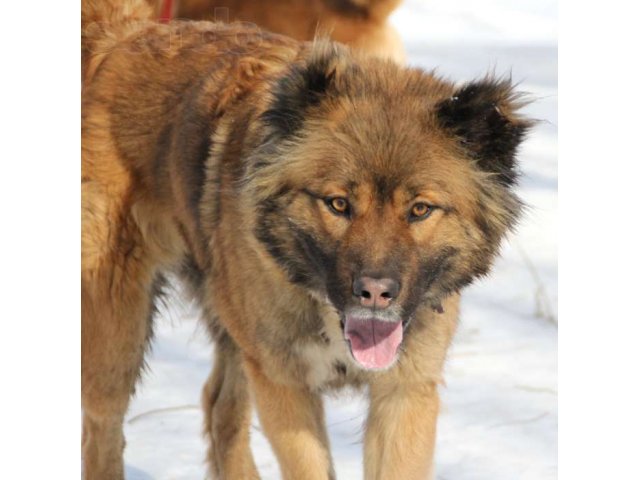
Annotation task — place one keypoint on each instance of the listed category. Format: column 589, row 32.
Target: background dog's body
column 208, row 156
column 362, row 24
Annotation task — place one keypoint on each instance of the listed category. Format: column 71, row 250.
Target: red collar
column 167, row 11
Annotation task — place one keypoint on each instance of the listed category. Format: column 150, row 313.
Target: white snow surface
column 499, row 415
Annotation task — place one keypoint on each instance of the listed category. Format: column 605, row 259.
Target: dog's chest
column 326, row 363
column 325, row 359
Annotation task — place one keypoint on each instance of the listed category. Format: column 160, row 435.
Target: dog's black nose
column 376, row 292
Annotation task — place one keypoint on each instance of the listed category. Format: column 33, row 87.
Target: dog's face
column 384, row 191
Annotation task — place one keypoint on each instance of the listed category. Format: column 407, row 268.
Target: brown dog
column 324, row 209
column 362, row 24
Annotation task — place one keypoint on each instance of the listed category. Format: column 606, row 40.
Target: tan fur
column 227, row 408
column 188, row 166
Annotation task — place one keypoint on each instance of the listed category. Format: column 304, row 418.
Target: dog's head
column 384, row 189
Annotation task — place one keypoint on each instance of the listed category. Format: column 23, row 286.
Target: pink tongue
column 373, row 342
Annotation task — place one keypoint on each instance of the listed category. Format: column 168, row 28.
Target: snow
column 499, row 415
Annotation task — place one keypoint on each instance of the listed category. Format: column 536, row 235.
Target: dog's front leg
column 292, row 418
column 400, row 435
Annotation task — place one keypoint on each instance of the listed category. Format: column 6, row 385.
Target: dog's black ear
column 483, row 116
column 302, row 87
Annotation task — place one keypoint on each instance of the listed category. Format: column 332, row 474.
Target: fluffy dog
column 325, row 210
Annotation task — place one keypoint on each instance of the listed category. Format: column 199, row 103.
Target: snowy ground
column 499, row 419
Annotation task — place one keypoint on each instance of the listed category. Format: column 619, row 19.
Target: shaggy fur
column 216, row 158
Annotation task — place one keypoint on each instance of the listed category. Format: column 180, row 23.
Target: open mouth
column 374, row 342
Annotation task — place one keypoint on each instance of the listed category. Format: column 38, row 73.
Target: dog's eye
column 338, row 205
column 420, row 211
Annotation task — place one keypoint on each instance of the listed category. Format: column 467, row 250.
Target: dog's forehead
column 387, row 159
column 426, row 172
column 377, row 132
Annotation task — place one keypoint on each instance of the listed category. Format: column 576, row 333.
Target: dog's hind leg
column 227, row 409
column 117, row 290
